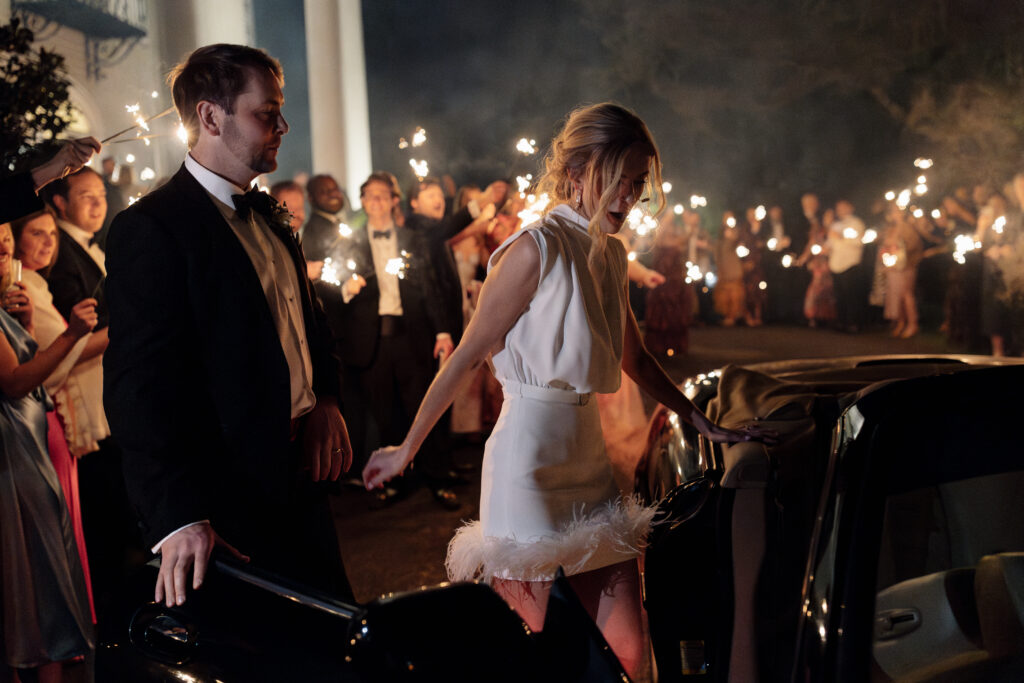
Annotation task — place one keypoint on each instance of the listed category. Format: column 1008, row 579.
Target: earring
column 579, row 199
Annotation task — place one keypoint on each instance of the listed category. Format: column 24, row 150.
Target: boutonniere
column 280, row 218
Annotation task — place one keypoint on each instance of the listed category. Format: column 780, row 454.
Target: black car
column 881, row 539
column 252, row 626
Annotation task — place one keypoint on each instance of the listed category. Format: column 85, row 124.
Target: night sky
column 480, row 76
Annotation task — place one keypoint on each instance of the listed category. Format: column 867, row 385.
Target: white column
column 338, row 107
column 223, row 21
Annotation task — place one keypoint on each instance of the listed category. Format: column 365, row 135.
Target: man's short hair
column 379, row 177
column 61, row 186
column 215, row 73
column 316, row 180
column 284, row 186
column 419, row 185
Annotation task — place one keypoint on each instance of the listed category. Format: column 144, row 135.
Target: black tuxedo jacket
column 75, row 276
column 196, row 383
column 436, row 233
column 318, row 236
column 357, row 323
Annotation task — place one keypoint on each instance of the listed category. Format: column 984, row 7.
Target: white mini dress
column 548, row 496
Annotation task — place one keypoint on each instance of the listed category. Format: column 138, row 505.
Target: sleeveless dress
column 44, row 605
column 548, row 497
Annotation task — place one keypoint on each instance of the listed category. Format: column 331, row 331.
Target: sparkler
column 921, row 179
column 420, row 168
column 920, row 189
column 534, row 208
column 762, row 285
column 329, row 273
column 631, row 256
column 903, row 200
column 890, row 195
column 918, row 213
column 889, row 260
column 640, row 221
column 523, row 183
column 850, row 233
column 398, row 265
column 666, row 187
column 139, row 121
column 419, row 137
column 697, row 200
column 998, row 225
column 147, row 174
column 731, row 222
column 772, row 244
column 936, row 213
column 964, row 244
column 870, row 235
column 760, row 213
column 526, row 147
column 678, row 209
column 742, row 251
column 345, row 232
column 787, row 260
column 815, row 249
column 923, row 164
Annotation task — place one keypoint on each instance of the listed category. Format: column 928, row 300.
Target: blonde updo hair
column 592, row 148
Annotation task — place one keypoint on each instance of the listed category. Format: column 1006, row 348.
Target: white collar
column 221, row 188
column 572, row 217
column 83, row 237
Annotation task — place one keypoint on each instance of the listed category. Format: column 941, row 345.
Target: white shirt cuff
column 156, row 549
column 443, row 335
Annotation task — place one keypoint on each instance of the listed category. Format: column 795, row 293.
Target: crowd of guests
column 951, row 267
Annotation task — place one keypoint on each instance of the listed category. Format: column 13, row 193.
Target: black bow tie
column 381, row 234
column 254, row 201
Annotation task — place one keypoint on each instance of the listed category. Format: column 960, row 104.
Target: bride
column 554, row 318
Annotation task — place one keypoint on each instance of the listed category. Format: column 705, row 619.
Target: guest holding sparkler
column 729, row 292
column 321, row 230
column 393, row 324
column 19, row 193
column 553, row 313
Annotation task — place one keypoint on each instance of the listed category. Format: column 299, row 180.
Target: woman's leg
column 611, row 596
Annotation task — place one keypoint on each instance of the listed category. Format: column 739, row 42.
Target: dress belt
column 549, row 394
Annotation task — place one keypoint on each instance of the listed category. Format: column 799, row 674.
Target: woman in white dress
column 554, row 318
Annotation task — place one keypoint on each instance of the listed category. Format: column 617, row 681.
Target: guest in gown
column 729, row 293
column 670, row 306
column 46, row 618
column 754, row 295
column 554, row 319
column 35, row 243
column 820, row 299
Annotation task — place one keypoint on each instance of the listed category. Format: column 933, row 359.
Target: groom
column 220, row 383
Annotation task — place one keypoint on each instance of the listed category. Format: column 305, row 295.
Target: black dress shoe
column 446, row 498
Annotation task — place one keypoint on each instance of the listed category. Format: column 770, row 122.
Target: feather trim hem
column 613, row 533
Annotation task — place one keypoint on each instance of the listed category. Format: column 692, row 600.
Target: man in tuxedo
column 390, row 325
column 321, row 230
column 221, row 386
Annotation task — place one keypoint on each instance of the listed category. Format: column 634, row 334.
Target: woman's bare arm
column 509, row 288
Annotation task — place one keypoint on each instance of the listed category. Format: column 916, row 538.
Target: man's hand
column 71, row 157
column 443, row 348
column 187, row 548
column 325, row 441
column 353, row 285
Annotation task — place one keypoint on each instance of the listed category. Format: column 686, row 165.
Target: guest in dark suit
column 321, row 230
column 221, row 387
column 427, row 201
column 392, row 327
column 19, row 192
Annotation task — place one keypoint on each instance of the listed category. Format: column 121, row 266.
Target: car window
column 950, row 579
